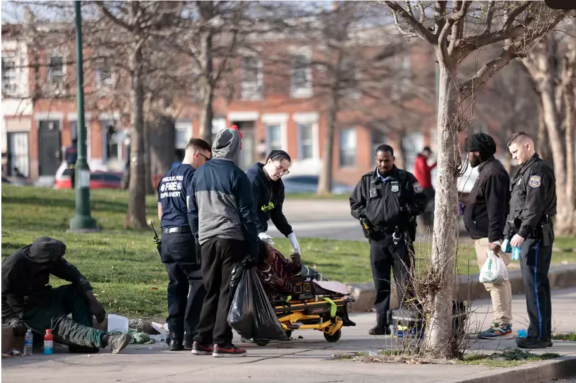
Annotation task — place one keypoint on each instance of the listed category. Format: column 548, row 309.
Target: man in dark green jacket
column 29, row 302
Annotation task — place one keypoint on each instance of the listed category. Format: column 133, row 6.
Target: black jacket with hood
column 26, row 273
column 268, row 200
column 487, row 204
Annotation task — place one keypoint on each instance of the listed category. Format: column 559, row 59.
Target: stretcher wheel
column 333, row 338
column 261, row 342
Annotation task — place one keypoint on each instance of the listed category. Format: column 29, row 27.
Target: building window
column 378, row 138
column 347, row 147
column 412, row 145
column 73, row 130
column 274, row 137
column 104, row 77
column 9, row 82
column 402, row 82
column 183, row 134
column 301, row 78
column 56, row 70
column 306, row 139
column 251, row 78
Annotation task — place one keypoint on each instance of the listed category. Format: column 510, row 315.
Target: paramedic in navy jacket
column 185, row 289
column 268, row 193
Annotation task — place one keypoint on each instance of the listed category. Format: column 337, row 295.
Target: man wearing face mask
column 529, row 226
column 386, row 202
column 485, row 218
column 268, row 192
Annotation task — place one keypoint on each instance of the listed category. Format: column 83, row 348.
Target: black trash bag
column 237, row 273
column 251, row 314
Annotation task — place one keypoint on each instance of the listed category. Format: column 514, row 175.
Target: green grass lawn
column 124, row 266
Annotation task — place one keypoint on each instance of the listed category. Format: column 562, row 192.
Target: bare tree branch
column 489, row 17
column 418, row 28
column 439, row 17
column 512, row 16
column 113, row 18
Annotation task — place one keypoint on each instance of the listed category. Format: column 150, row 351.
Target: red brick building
column 281, row 111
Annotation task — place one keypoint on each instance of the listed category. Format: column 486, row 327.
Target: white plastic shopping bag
column 494, row 270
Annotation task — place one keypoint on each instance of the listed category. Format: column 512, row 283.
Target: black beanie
column 482, row 143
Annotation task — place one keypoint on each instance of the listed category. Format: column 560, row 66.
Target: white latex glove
column 266, row 238
column 294, row 243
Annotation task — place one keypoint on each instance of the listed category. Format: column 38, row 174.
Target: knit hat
column 482, row 143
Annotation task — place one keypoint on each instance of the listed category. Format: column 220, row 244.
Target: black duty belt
column 179, row 229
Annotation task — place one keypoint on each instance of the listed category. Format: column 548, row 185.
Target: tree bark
column 136, row 217
column 327, row 171
column 568, row 95
column 563, row 222
column 207, row 88
column 440, row 294
column 147, row 160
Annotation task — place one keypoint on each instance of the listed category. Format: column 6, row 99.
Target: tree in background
column 455, row 31
column 552, row 65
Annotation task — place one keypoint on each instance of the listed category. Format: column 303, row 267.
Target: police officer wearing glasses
column 386, row 202
column 268, row 192
column 529, row 226
column 185, row 290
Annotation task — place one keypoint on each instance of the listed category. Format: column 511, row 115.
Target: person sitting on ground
column 275, row 271
column 29, row 302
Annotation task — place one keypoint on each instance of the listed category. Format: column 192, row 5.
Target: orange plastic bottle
column 48, row 343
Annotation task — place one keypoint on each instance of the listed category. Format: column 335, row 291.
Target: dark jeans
column 535, row 263
column 53, row 315
column 219, row 256
column 384, row 256
column 186, row 291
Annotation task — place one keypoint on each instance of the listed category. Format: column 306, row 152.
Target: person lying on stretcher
column 275, row 271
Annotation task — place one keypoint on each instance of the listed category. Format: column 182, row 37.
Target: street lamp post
column 82, row 220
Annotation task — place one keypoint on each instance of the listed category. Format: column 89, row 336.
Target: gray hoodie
column 227, row 145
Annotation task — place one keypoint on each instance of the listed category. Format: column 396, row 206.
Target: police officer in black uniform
column 386, row 202
column 529, row 226
column 185, row 290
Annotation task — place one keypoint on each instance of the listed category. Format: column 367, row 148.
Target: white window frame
column 306, row 90
column 12, row 86
column 50, row 73
column 251, row 90
column 309, row 118
column 374, row 145
column 108, row 83
column 300, row 126
column 182, row 126
column 277, row 119
column 354, row 149
column 412, row 144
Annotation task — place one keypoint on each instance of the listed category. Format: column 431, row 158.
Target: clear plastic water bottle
column 28, row 342
column 515, row 253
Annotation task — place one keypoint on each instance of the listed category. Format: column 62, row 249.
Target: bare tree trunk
column 563, row 222
column 147, row 160
column 440, row 294
column 207, row 88
column 136, row 217
column 568, row 91
column 327, row 171
column 543, row 146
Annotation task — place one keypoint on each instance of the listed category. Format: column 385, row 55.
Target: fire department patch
column 535, row 181
column 417, row 187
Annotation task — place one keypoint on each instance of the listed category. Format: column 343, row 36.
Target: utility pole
column 82, row 221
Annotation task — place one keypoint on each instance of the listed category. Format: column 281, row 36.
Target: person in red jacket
column 423, row 173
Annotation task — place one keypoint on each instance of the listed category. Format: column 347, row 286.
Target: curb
column 468, row 287
column 562, row 367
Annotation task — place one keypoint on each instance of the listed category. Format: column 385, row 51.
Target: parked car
column 98, row 179
column 309, row 184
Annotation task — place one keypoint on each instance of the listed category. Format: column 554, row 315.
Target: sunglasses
column 206, row 158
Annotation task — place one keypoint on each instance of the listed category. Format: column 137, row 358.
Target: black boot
column 379, row 331
column 532, row 343
column 176, row 344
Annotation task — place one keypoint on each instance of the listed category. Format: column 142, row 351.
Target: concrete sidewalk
column 309, row 359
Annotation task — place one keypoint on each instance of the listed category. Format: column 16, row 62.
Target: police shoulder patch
column 535, row 181
column 417, row 187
